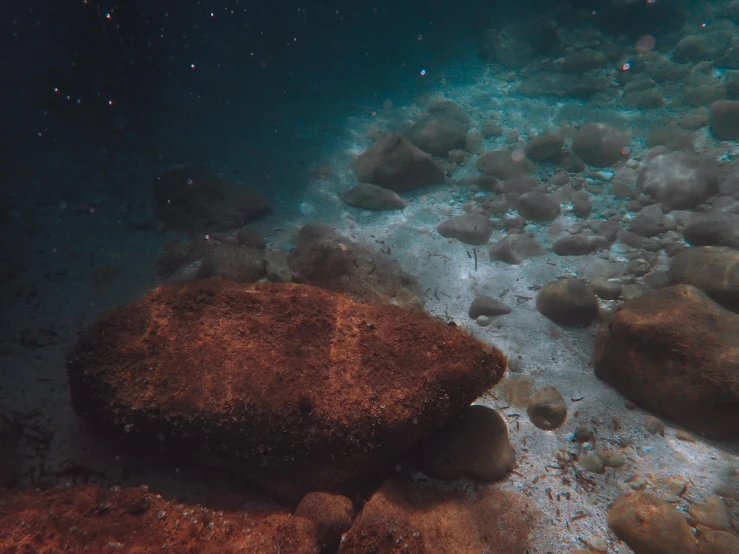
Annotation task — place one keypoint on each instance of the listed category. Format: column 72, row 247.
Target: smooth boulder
column 568, row 302
column 193, row 199
column 712, row 269
column 650, row 525
column 474, row 445
column 471, row 228
column 675, row 352
column 680, row 181
column 396, row 164
column 367, row 196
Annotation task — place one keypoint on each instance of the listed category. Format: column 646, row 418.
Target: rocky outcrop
column 298, row 388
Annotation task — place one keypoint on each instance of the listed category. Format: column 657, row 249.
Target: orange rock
column 650, row 525
column 332, row 514
column 299, row 388
column 422, row 518
column 88, row 518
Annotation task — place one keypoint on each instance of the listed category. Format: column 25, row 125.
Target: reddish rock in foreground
column 299, row 388
column 406, row 517
column 87, row 518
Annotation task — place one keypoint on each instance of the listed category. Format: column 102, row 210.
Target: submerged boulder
column 295, row 387
column 442, row 129
column 396, row 164
column 193, row 199
column 600, row 145
column 471, row 228
column 325, row 258
column 674, row 352
column 680, row 181
column 367, row 196
column 91, row 518
column 712, row 269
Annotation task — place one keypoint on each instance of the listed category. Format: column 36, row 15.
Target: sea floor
column 75, row 243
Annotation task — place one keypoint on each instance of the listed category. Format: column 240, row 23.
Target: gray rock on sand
column 442, row 129
column 367, row 196
column 680, row 181
column 394, row 163
column 537, row 206
column 471, row 228
column 487, row 306
column 599, row 145
column 674, row 352
column 712, row 269
column 515, row 249
column 544, row 147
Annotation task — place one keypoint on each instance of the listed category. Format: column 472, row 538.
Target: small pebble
column 655, row 425
column 593, row 463
column 683, row 435
column 638, row 483
column 483, row 321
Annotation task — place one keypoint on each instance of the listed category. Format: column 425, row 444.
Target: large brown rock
column 193, row 199
column 298, row 388
column 88, row 518
column 675, row 352
column 650, row 525
column 394, row 163
column 406, row 517
column 713, row 269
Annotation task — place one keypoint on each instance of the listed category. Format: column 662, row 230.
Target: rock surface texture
column 298, row 388
column 88, row 518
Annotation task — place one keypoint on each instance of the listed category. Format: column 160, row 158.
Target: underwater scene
column 369, row 278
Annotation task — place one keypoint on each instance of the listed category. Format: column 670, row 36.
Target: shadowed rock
column 443, row 129
column 568, row 302
column 367, row 196
column 471, row 228
column 674, row 352
column 473, row 445
column 325, row 258
column 394, row 163
column 297, row 388
column 193, row 199
column 680, row 181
